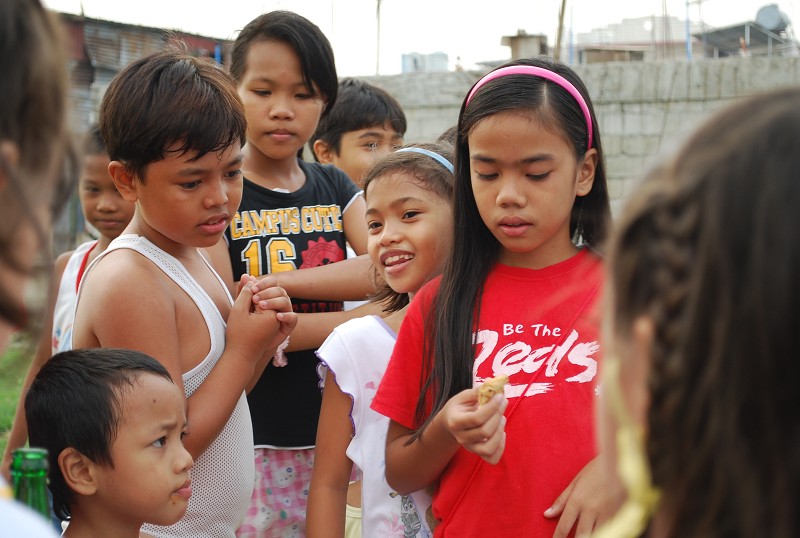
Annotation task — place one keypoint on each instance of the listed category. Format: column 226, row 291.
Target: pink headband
column 542, row 73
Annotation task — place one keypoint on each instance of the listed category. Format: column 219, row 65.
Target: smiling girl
column 409, row 215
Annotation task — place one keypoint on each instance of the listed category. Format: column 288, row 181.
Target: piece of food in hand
column 491, row 387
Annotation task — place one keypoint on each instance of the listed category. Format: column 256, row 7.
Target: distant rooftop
column 744, row 39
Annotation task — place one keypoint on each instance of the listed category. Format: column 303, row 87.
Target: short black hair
column 304, row 37
column 359, row 105
column 75, row 402
column 93, row 143
column 166, row 98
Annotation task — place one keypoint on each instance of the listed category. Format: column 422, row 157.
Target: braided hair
column 707, row 251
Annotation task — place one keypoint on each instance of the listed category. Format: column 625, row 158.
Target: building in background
column 656, row 37
column 414, row 62
column 770, row 34
column 99, row 49
column 525, row 45
column 664, row 37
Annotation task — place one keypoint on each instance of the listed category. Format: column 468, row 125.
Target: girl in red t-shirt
column 516, row 297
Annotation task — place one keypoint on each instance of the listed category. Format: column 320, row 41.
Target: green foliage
column 13, row 366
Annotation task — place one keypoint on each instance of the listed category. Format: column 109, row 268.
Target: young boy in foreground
column 112, row 422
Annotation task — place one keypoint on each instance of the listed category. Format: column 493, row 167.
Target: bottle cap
column 30, row 459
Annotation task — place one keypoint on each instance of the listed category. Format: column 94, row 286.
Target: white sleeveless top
column 67, row 299
column 223, row 476
column 357, row 352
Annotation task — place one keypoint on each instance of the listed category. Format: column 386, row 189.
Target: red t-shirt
column 539, row 327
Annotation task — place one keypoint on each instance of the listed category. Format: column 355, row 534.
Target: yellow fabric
column 352, row 522
column 630, row 521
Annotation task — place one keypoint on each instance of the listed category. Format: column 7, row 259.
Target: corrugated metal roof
column 728, row 40
column 112, row 45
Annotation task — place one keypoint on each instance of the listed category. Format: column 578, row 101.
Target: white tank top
column 67, row 298
column 223, row 476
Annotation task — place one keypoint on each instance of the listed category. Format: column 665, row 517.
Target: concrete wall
column 645, row 110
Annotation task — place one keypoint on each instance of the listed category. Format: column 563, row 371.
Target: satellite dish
column 772, row 18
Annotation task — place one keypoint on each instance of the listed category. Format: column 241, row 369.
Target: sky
column 467, row 35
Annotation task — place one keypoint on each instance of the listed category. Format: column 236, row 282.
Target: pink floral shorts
column 278, row 506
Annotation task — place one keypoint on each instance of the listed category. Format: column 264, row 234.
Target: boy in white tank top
column 174, row 127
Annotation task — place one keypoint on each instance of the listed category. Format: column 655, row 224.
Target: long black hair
column 449, row 345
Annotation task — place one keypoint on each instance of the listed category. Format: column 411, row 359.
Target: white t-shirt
column 357, row 353
column 349, row 305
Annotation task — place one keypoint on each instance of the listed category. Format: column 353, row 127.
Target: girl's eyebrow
column 404, row 200
column 539, row 157
column 267, row 80
column 396, row 203
column 369, row 134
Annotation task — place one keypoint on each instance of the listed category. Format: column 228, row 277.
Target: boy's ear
column 9, row 153
column 124, row 180
column 78, row 471
column 586, row 170
column 324, row 152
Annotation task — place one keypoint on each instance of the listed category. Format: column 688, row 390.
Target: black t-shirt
column 277, row 231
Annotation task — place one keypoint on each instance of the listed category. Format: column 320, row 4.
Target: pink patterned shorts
column 278, row 506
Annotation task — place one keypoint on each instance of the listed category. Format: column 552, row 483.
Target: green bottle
column 29, row 468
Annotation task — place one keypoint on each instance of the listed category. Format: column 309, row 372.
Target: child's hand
column 587, row 502
column 251, row 331
column 265, row 289
column 479, row 429
column 268, row 295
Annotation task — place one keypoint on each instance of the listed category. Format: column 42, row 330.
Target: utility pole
column 378, row 40
column 689, row 27
column 557, row 54
column 688, row 34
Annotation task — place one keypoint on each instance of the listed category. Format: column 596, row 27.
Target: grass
column 13, row 366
